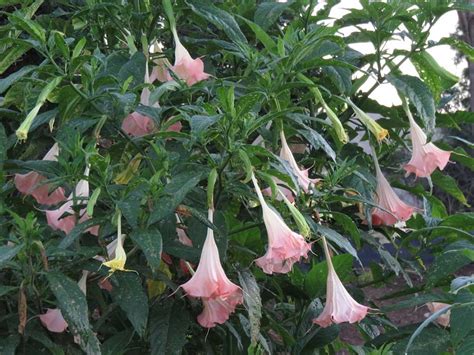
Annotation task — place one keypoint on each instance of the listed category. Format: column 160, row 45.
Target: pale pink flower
column 136, row 124
column 185, row 67
column 443, row 319
column 210, row 280
column 386, row 198
column 217, row 310
column 67, row 223
column 303, row 180
column 53, row 320
column 426, row 157
column 285, row 247
column 340, row 306
column 32, row 183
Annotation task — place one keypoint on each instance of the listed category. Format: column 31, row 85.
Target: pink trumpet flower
column 302, row 175
column 53, row 320
column 185, row 67
column 67, row 223
column 217, row 310
column 210, row 280
column 136, row 124
column 340, row 306
column 426, row 157
column 285, row 247
column 386, row 198
column 32, row 183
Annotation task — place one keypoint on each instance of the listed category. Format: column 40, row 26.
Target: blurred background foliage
column 255, row 52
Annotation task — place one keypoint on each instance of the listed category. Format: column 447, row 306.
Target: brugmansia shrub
column 205, row 177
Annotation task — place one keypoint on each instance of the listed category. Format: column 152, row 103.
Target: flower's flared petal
column 218, row 310
column 426, row 157
column 53, row 320
column 340, row 306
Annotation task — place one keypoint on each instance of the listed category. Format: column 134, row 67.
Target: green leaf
column 460, row 45
column 348, row 225
column 174, row 193
column 462, row 318
column 92, row 201
column 218, row 17
column 252, row 302
column 446, row 264
column 261, row 35
column 61, row 44
column 11, row 55
column 168, row 327
column 73, row 305
column 33, row 28
column 7, row 253
column 5, row 83
column 437, row 78
column 128, row 293
column 393, row 264
column 268, row 12
column 448, row 185
column 76, row 52
column 78, row 230
column 315, row 280
column 8, row 344
column 117, row 343
column 467, row 347
column 130, row 204
column 423, row 347
column 6, row 289
column 150, row 242
column 200, row 123
column 317, row 141
column 135, row 68
column 419, row 94
column 461, row 282
column 341, row 241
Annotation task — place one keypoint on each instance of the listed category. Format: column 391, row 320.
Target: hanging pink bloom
column 340, row 306
column 53, row 320
column 426, row 157
column 443, row 319
column 136, row 124
column 285, row 247
column 302, row 175
column 67, row 223
column 386, row 198
column 210, row 280
column 217, row 310
column 32, row 183
column 185, row 67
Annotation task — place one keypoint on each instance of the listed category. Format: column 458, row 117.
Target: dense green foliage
column 273, row 66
